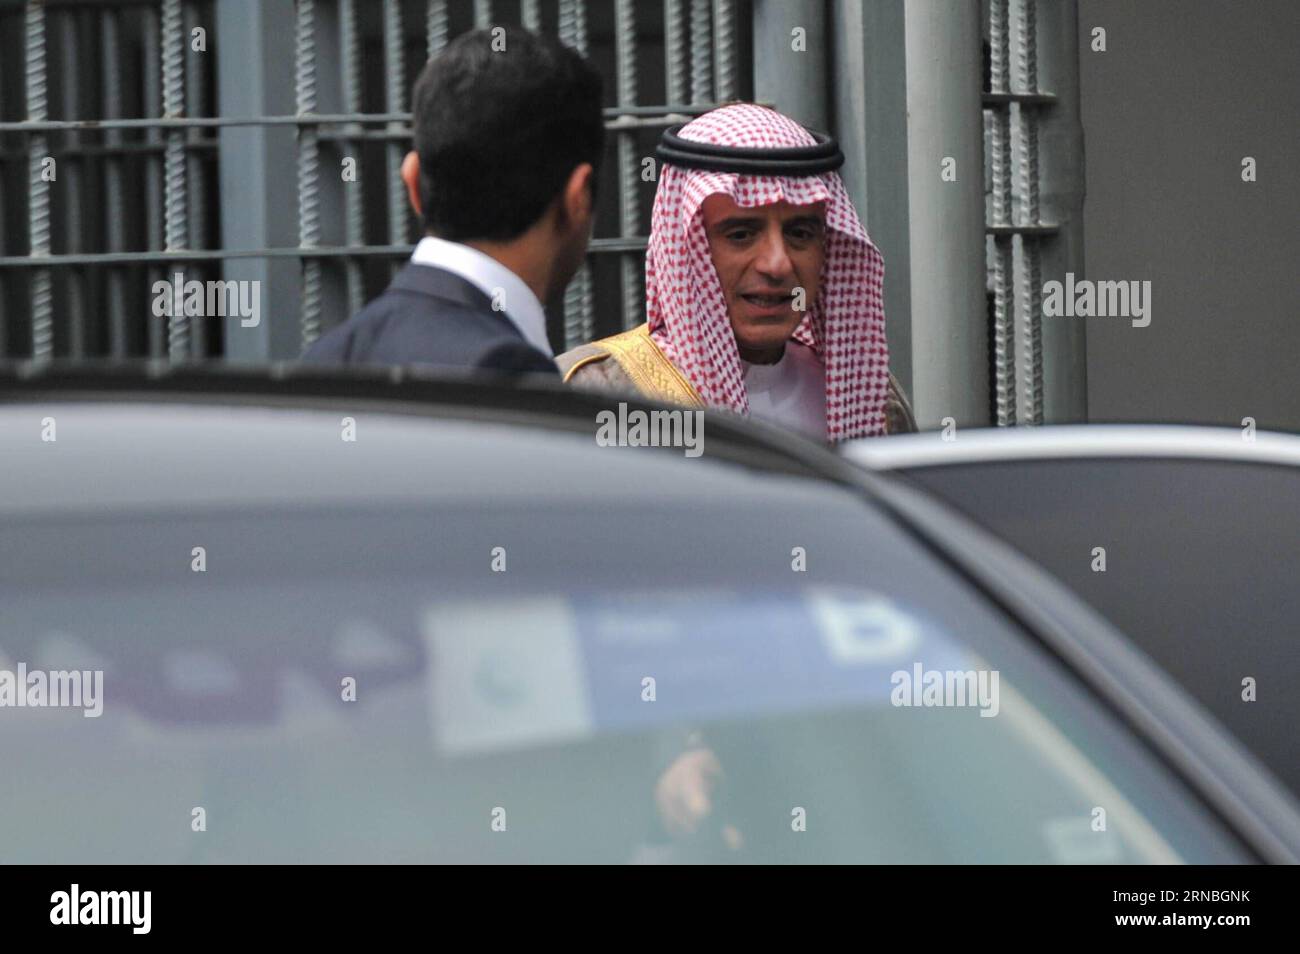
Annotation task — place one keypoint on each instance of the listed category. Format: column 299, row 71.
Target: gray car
column 347, row 619
column 1186, row 538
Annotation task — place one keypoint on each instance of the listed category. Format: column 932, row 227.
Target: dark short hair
column 500, row 131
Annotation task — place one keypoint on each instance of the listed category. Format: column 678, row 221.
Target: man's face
column 762, row 256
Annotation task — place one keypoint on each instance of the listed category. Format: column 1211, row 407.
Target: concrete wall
column 1184, row 91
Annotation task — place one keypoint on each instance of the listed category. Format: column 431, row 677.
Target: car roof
column 982, row 445
column 273, row 435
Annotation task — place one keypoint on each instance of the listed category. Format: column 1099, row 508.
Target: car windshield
column 496, row 679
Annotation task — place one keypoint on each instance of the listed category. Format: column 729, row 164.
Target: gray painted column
column 949, row 322
column 794, row 81
column 1061, row 192
column 869, row 100
column 254, row 47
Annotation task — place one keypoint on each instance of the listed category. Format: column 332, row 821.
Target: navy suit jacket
column 431, row 316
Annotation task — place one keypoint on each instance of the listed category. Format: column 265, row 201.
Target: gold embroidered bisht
column 631, row 363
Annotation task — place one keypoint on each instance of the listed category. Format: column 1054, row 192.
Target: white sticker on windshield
column 504, row 675
column 861, row 628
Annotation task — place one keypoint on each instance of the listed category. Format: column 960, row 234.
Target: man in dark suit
column 508, row 137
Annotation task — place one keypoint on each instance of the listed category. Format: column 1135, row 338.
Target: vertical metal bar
column 91, row 281
column 152, row 80
column 530, row 14
column 676, row 64
column 573, row 24
column 1028, row 62
column 173, row 83
column 4, row 303
column 114, row 195
column 625, row 54
column 70, row 177
column 724, row 38
column 701, row 52
column 579, row 327
column 579, row 324
column 1004, row 334
column 4, row 291
column 565, row 23
column 196, row 189
column 38, row 190
column 580, row 25
column 482, row 14
column 999, row 47
column 1004, row 362
column 353, row 204
column 632, row 266
column 1000, row 145
column 1031, row 370
column 394, row 98
column 435, row 25
column 4, row 250
column 304, row 61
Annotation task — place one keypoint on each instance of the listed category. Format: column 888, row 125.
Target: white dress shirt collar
column 492, row 278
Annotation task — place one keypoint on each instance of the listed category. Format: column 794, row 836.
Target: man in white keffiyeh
column 763, row 290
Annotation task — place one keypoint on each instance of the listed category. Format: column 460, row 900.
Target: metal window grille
column 1022, row 248
column 117, row 95
column 123, row 193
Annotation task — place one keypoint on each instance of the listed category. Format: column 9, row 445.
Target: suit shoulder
column 513, row 356
column 343, row 342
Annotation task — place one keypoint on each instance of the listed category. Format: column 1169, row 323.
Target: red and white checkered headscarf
column 687, row 310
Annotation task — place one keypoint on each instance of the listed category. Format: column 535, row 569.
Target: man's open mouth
column 768, row 301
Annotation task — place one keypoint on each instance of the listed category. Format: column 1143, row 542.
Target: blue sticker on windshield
column 723, row 654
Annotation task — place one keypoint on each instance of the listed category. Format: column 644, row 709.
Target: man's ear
column 578, row 194
column 411, row 176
